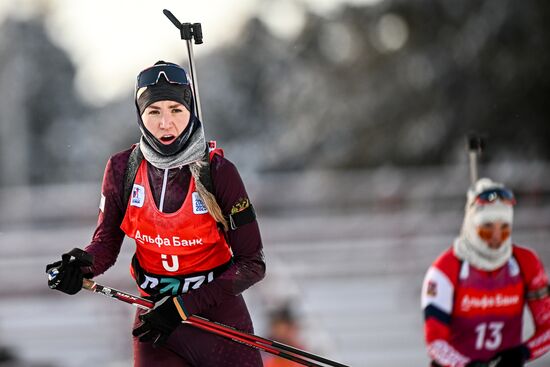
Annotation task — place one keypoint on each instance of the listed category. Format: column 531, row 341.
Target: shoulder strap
column 205, row 176
column 130, row 174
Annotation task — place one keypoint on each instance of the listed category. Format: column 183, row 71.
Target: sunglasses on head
column 150, row 76
column 490, row 196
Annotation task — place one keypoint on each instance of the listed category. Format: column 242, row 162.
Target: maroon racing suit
column 219, row 300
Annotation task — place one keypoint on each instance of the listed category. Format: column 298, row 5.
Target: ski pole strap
column 79, row 256
column 178, row 302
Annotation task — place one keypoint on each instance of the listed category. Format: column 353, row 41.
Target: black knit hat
column 164, row 91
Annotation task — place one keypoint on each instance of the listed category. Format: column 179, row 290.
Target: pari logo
column 137, row 198
column 198, row 205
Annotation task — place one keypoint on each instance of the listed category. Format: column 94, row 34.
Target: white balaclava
column 469, row 246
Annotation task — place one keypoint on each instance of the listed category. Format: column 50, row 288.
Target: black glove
column 66, row 275
column 481, row 364
column 511, row 357
column 158, row 323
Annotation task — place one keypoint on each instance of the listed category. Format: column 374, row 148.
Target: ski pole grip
column 172, row 18
column 475, row 147
column 473, row 143
column 186, row 31
column 476, row 143
column 197, row 33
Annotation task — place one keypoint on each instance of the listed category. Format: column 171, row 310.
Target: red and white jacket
column 471, row 314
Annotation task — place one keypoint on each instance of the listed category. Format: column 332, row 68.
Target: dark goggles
column 489, row 196
column 150, row 76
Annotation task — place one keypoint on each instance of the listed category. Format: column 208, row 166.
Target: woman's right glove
column 159, row 322
column 66, row 275
column 511, row 357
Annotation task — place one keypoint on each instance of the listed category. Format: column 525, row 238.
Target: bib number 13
column 489, row 335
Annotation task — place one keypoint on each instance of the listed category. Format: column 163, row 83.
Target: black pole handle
column 188, row 31
column 172, row 18
column 475, row 142
column 197, row 33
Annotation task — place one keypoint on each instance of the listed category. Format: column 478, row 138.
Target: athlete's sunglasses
column 150, row 76
column 487, row 232
column 489, row 196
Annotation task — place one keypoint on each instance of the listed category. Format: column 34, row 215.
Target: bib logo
column 138, row 196
column 198, row 204
column 489, row 301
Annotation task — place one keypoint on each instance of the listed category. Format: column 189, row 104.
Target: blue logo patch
column 138, row 196
column 198, row 205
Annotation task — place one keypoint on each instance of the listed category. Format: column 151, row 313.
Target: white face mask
column 476, row 251
column 472, row 248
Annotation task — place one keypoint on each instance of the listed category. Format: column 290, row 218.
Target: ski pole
column 475, row 147
column 140, row 302
column 226, row 332
column 273, row 343
column 267, row 345
column 188, row 32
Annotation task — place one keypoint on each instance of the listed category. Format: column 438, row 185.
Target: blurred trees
column 36, row 95
column 401, row 82
column 396, row 83
column 47, row 133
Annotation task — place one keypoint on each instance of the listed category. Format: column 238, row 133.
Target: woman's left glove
column 159, row 322
column 512, row 357
column 67, row 275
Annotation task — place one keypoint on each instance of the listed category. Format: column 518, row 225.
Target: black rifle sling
column 204, row 174
column 130, row 174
